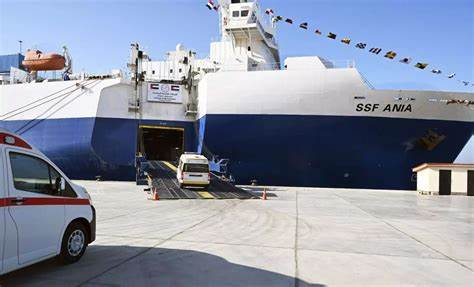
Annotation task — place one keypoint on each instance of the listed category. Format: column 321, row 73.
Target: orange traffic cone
column 155, row 194
column 264, row 197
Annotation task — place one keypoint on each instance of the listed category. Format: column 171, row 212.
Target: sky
column 99, row 33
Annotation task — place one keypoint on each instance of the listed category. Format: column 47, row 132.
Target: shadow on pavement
column 143, row 266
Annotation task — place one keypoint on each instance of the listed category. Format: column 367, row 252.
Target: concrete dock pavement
column 298, row 237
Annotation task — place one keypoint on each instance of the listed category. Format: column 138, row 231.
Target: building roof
column 442, row 165
column 8, row 61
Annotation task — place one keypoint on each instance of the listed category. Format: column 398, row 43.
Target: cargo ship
column 301, row 121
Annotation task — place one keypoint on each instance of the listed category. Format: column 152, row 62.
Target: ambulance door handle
column 18, row 201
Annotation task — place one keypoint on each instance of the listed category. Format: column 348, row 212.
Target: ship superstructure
column 305, row 121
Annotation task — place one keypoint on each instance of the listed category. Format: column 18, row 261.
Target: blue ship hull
column 85, row 148
column 319, row 151
column 331, row 151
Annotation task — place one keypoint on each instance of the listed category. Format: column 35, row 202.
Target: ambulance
column 42, row 213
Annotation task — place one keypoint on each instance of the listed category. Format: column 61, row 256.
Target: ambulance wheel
column 74, row 243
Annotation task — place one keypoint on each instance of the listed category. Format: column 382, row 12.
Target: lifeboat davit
column 37, row 61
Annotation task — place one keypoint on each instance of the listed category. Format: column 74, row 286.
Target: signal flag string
column 211, row 6
column 391, row 55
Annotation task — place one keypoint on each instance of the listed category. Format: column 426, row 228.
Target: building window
column 171, row 71
column 244, row 13
column 153, row 72
column 235, row 14
column 180, row 70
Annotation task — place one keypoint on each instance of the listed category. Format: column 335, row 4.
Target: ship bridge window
column 243, row 13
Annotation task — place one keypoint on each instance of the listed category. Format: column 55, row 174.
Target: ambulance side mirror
column 62, row 184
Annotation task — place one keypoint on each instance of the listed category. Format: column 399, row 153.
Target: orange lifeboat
column 37, row 61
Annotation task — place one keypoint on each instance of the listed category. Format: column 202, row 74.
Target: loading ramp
column 161, row 177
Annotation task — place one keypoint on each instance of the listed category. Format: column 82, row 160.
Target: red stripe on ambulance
column 38, row 201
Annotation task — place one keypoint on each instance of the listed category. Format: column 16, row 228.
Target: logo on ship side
column 390, row 108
